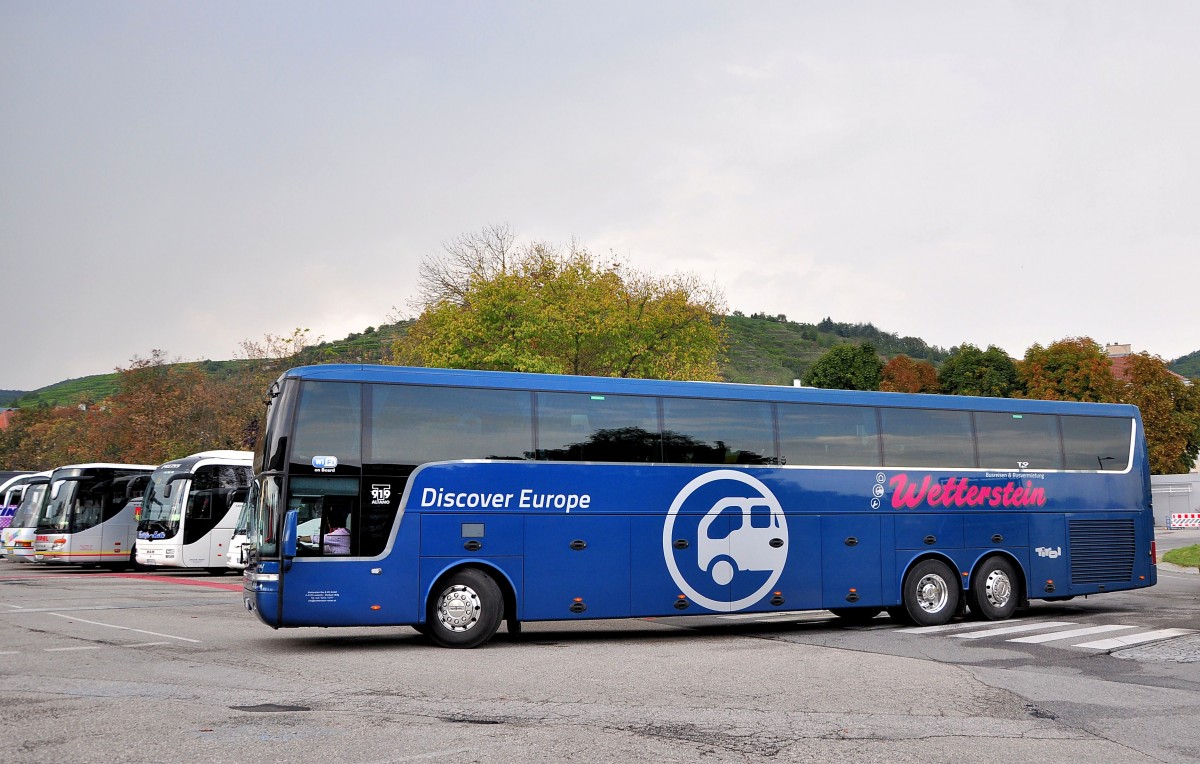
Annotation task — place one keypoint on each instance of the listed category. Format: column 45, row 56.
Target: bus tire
column 465, row 609
column 854, row 615
column 931, row 592
column 995, row 590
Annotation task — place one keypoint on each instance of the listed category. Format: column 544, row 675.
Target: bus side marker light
column 681, row 603
column 377, row 607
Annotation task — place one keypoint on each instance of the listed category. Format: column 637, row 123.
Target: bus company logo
column 380, row 493
column 325, row 463
column 725, row 540
column 910, row 493
column 1045, row 551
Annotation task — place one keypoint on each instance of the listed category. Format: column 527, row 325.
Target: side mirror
column 290, row 521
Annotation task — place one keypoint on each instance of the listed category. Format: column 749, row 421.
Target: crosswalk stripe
column 1037, row 639
column 1014, row 629
column 1134, row 639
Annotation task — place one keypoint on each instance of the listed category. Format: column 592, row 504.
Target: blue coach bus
column 454, row 500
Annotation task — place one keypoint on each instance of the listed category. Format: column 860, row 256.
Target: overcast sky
column 184, row 176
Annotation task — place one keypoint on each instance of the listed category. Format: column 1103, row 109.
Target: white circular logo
column 740, row 539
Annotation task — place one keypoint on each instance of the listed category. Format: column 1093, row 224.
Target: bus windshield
column 55, row 514
column 27, row 513
column 160, row 513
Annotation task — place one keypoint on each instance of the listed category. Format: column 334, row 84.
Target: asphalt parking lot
column 132, row 667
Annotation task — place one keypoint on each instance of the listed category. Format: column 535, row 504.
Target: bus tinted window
column 1018, row 441
column 271, row 438
column 828, row 435
column 327, row 508
column 578, row 427
column 927, row 438
column 328, row 423
column 717, row 432
column 1096, row 443
column 214, row 487
column 411, row 425
column 265, row 497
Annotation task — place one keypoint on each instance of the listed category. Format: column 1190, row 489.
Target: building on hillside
column 1119, row 356
column 6, row 416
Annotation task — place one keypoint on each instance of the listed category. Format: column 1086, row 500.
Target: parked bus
column 459, row 499
column 12, row 490
column 18, row 537
column 190, row 508
column 89, row 514
column 239, row 542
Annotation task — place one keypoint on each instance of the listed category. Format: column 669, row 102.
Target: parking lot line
column 124, row 628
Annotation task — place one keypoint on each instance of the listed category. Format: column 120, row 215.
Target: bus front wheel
column 465, row 609
column 931, row 593
column 994, row 590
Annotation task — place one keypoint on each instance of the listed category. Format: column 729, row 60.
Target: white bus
column 190, row 508
column 238, row 543
column 89, row 515
column 12, row 490
column 17, row 537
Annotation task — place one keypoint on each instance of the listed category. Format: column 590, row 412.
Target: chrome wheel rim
column 997, row 588
column 932, row 593
column 458, row 608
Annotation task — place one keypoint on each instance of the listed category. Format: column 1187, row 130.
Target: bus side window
column 576, row 427
column 931, row 438
column 718, row 432
column 1097, row 443
column 826, row 435
column 327, row 508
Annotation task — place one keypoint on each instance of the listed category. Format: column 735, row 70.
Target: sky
column 186, row 176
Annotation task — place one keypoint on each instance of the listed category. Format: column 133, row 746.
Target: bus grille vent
column 1101, row 551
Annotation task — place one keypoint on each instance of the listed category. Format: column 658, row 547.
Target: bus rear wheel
column 994, row 590
column 931, row 593
column 465, row 609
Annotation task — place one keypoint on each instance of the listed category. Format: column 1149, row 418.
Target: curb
column 1178, row 568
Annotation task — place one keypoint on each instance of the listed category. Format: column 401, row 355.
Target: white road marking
column 1134, row 639
column 1037, row 625
column 1037, row 639
column 124, row 628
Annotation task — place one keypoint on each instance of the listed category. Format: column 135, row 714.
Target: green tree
column 847, row 367
column 1170, row 413
column 1072, row 369
column 904, row 375
column 971, row 371
column 487, row 304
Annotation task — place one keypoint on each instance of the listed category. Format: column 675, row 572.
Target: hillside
column 762, row 349
column 1188, row 366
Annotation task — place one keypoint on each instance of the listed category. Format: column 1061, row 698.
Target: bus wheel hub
column 458, row 608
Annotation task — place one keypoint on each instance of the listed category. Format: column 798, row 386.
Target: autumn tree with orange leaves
column 1072, row 369
column 1170, row 413
column 904, row 375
